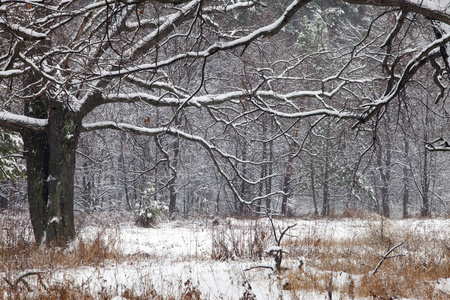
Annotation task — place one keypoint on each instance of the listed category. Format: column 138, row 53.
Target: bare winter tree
column 61, row 61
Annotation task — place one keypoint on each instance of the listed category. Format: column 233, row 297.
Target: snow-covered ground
column 178, row 255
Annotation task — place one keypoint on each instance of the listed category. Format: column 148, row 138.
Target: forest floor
column 226, row 258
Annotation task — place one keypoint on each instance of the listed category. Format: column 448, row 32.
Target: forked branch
column 386, row 256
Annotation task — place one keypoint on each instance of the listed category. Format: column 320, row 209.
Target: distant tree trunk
column 217, row 210
column 326, row 188
column 405, row 180
column 313, row 185
column 384, row 169
column 425, row 211
column 243, row 192
column 172, row 185
column 129, row 207
column 269, row 180
column 86, row 188
column 286, row 186
column 289, row 169
column 174, row 165
column 263, row 172
column 244, row 186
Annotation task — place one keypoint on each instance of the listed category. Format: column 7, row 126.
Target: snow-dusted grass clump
column 227, row 258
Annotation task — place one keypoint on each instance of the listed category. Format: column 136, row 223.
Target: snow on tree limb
column 10, row 73
column 426, row 54
column 163, row 30
column 429, row 8
column 23, row 32
column 265, row 31
column 17, row 122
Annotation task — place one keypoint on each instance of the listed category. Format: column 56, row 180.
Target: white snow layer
column 177, row 252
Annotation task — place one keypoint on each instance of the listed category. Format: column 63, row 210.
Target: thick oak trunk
column 63, row 133
column 50, row 159
column 37, row 158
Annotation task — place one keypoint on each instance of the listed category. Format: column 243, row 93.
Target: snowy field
column 227, row 259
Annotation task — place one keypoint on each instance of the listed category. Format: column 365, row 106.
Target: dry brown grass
column 332, row 264
column 246, row 240
column 26, row 268
column 19, row 254
column 412, row 272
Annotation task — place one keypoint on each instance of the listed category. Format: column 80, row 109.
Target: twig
column 386, row 256
column 259, row 267
column 278, row 254
column 21, row 278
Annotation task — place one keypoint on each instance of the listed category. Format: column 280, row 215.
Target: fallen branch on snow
column 21, row 278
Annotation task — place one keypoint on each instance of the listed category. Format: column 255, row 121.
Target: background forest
column 281, row 138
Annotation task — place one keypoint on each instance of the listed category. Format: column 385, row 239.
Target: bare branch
column 386, row 256
column 18, row 122
column 264, row 31
column 428, row 9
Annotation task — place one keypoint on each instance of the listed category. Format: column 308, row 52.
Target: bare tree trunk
column 37, row 156
column 174, row 165
column 425, row 211
column 125, row 179
column 326, row 189
column 50, row 159
column 384, row 169
column 269, row 180
column 289, row 170
column 172, row 185
column 405, row 180
column 263, row 172
column 64, row 131
column 313, row 185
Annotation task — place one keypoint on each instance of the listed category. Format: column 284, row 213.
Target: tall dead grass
column 412, row 271
column 240, row 240
column 26, row 266
column 27, row 269
column 332, row 265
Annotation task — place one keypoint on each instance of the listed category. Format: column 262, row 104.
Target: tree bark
column 172, row 185
column 326, row 188
column 36, row 154
column 384, row 169
column 269, row 180
column 313, row 185
column 50, row 159
column 425, row 210
column 405, row 180
column 289, row 169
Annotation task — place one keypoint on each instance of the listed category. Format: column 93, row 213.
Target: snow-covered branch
column 10, row 73
column 162, row 31
column 23, row 32
column 426, row 54
column 265, row 31
column 17, row 122
column 438, row 10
